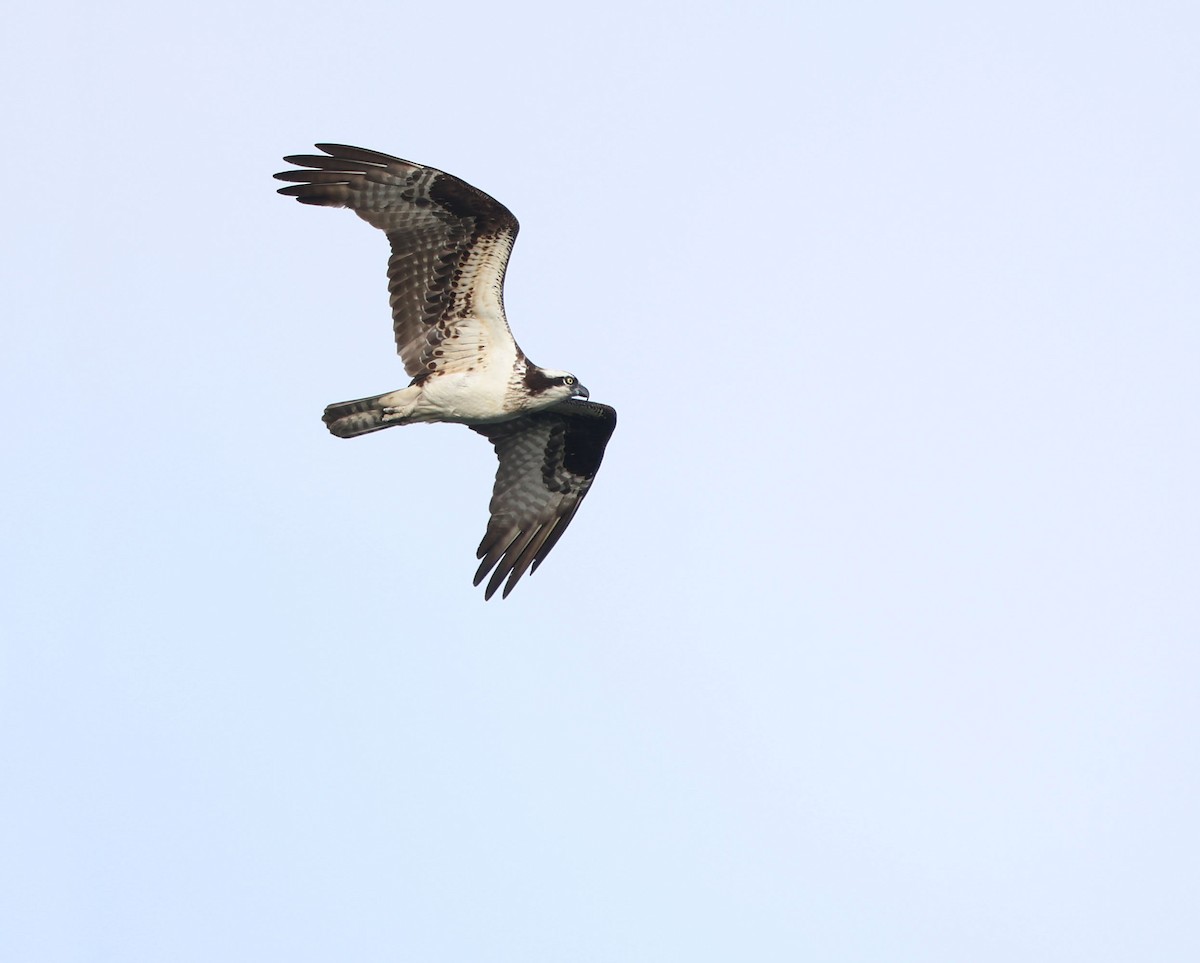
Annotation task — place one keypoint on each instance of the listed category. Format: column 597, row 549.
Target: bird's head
column 556, row 385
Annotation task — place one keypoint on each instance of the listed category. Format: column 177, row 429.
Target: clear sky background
column 877, row 638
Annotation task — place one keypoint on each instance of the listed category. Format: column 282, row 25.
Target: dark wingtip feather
column 304, row 194
column 359, row 154
column 492, row 585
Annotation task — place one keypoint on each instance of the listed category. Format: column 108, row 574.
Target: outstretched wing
column 450, row 247
column 547, row 463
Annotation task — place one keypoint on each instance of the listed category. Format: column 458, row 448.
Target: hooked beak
column 580, row 392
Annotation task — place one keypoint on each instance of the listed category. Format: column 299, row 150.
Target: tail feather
column 347, row 419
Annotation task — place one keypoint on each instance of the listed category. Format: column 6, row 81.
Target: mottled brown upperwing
column 547, row 463
column 450, row 247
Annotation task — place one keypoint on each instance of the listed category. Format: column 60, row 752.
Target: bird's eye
column 568, row 381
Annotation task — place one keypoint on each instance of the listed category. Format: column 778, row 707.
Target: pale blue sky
column 877, row 638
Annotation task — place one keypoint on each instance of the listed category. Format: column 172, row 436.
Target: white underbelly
column 469, row 397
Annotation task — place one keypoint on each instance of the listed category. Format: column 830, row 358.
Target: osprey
column 450, row 247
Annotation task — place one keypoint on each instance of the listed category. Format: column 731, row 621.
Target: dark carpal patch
column 463, row 200
column 586, row 438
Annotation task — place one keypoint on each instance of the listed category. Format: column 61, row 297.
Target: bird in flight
column 450, row 246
